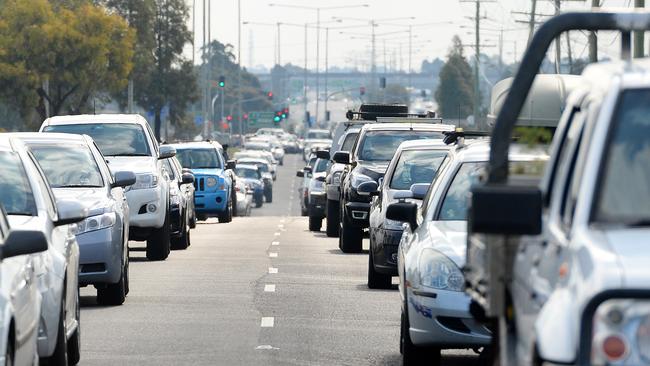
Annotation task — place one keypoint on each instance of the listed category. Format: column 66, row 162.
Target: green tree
column 455, row 93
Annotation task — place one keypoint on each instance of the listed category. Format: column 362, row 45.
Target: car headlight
column 145, row 181
column 211, row 181
column 358, row 179
column 439, row 272
column 94, row 223
column 336, row 178
column 621, row 327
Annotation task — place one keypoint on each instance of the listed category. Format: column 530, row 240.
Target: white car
column 30, row 204
column 128, row 144
column 244, row 198
column 276, row 147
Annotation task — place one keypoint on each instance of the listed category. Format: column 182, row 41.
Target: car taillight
column 614, row 347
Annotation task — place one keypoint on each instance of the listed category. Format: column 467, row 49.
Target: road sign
column 258, row 120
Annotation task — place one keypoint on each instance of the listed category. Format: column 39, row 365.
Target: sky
column 435, row 23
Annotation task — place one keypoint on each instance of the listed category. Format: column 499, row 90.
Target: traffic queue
column 527, row 251
column 74, row 194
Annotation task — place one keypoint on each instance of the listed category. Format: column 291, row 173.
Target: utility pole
column 558, row 46
column 531, row 22
column 593, row 39
column 476, row 62
column 317, row 62
column 410, row 54
column 638, row 35
column 204, row 107
column 239, row 119
column 327, row 46
column 304, row 96
column 373, row 59
column 501, row 51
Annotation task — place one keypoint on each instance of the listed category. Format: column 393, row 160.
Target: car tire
column 60, row 355
column 268, row 195
column 315, row 223
column 193, row 220
column 9, row 351
column 412, row 354
column 74, row 343
column 350, row 238
column 183, row 241
column 333, row 215
column 158, row 244
column 114, row 293
column 226, row 217
column 377, row 280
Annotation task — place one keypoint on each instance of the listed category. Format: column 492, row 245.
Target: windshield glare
column 113, row 139
column 15, row 192
column 68, row 166
column 198, row 158
column 416, row 166
column 381, row 145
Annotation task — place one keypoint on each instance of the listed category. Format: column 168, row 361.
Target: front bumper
column 384, row 252
column 100, row 256
column 211, row 203
column 357, row 214
column 317, row 204
column 141, row 214
column 441, row 318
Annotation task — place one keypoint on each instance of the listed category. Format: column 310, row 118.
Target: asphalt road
column 261, row 290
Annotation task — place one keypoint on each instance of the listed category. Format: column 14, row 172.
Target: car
column 31, row 206
column 315, row 136
column 333, row 180
column 76, row 169
column 252, row 176
column 412, row 168
column 260, row 154
column 435, row 310
column 244, row 198
column 290, row 143
column 214, row 194
column 21, row 304
column 368, row 160
column 316, row 195
column 276, row 147
column 181, row 198
column 128, row 144
column 264, row 167
column 306, row 173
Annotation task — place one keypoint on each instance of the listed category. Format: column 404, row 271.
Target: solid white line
column 275, row 243
column 273, row 255
column 273, row 270
column 267, row 322
column 277, row 234
column 266, row 347
column 269, row 288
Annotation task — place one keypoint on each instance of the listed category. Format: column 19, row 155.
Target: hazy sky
column 429, row 41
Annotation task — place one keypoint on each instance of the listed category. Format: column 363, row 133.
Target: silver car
column 181, row 199
column 26, row 195
column 75, row 168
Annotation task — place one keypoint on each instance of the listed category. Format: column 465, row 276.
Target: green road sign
column 258, row 120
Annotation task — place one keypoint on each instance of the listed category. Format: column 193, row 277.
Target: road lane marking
column 275, row 243
column 273, row 270
column 269, row 288
column 281, row 225
column 273, row 255
column 266, row 347
column 277, row 233
column 282, row 221
column 267, row 322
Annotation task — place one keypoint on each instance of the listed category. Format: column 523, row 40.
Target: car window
column 321, row 165
column 381, row 145
column 68, row 166
column 246, row 173
column 16, row 193
column 348, row 143
column 113, row 139
column 456, row 200
column 199, row 158
column 624, row 181
column 416, row 166
column 167, row 166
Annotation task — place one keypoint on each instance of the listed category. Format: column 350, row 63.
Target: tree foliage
column 455, row 93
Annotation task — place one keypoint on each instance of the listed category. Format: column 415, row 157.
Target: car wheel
column 412, row 354
column 315, row 223
column 332, row 224
column 350, row 238
column 74, row 343
column 182, row 242
column 377, row 280
column 9, row 352
column 60, row 355
column 158, row 244
column 114, row 293
column 227, row 216
column 193, row 220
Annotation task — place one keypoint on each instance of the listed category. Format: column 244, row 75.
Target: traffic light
column 362, row 91
column 382, row 82
column 229, row 118
column 286, row 112
column 222, row 81
column 278, row 117
column 269, row 95
column 245, row 116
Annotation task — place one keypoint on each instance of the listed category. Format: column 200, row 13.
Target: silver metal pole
column 305, row 78
column 327, row 46
column 239, row 120
column 317, row 63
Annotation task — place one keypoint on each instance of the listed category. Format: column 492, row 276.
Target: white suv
column 128, row 144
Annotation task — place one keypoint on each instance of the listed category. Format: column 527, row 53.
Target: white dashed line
column 267, row 322
column 277, row 233
column 266, row 347
column 281, row 225
column 269, row 288
column 275, row 243
column 273, row 255
column 273, row 270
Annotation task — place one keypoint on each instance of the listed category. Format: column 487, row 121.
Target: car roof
column 407, row 126
column 423, row 144
column 51, row 137
column 260, row 160
column 95, row 118
column 193, row 145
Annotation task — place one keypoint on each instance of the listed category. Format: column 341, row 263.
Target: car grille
column 199, row 184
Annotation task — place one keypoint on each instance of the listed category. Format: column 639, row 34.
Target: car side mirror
column 300, row 173
column 123, row 179
column 231, row 164
column 370, row 188
column 166, row 152
column 321, row 179
column 341, row 157
column 308, row 169
column 187, row 170
column 507, row 210
column 70, row 212
column 187, row 178
column 420, row 190
column 22, row 242
column 323, row 154
column 403, row 211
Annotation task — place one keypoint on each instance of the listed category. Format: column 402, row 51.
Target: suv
column 575, row 288
column 128, row 143
column 368, row 160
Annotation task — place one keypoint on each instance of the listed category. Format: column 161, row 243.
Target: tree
column 455, row 93
column 79, row 49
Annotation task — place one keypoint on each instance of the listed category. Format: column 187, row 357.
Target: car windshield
column 258, row 147
column 381, row 145
column 318, row 135
column 15, row 192
column 321, row 165
column 68, row 166
column 198, row 158
column 263, row 168
column 113, row 139
column 348, row 143
column 624, row 192
column 416, row 166
column 246, row 173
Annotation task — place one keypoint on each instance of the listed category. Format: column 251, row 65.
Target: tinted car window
column 381, row 145
column 68, row 166
column 113, row 139
column 454, row 205
column 321, row 165
column 416, row 166
column 198, row 158
column 348, row 143
column 15, row 191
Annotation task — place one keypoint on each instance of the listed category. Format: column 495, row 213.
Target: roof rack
column 408, row 120
column 373, row 116
column 455, row 136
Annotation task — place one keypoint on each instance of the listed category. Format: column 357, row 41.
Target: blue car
column 252, row 176
column 214, row 194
